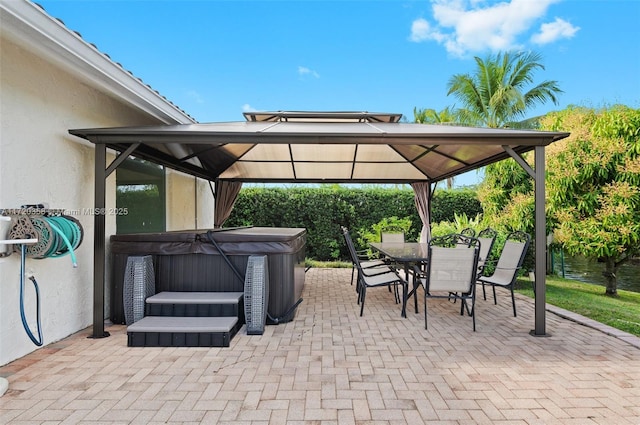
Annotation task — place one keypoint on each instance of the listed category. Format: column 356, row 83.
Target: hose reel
column 57, row 234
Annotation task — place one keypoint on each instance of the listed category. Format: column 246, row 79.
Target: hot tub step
column 196, row 304
column 160, row 331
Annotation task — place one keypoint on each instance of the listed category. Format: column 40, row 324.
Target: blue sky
column 217, row 59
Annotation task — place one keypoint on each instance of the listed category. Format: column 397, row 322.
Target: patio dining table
column 407, row 254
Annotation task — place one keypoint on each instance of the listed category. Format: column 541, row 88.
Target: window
column 140, row 197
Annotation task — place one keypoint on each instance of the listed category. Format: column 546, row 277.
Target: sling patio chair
column 392, row 237
column 487, row 238
column 451, row 273
column 365, row 260
column 375, row 277
column 508, row 266
column 370, row 266
column 468, row 231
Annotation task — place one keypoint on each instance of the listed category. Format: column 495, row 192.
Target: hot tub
column 189, row 261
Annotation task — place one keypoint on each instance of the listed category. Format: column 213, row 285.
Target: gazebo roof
column 356, row 147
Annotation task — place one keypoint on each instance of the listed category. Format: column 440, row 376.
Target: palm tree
column 494, row 95
column 431, row 116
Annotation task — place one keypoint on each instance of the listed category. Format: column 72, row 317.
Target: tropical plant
column 497, row 94
column 460, row 222
column 431, row 116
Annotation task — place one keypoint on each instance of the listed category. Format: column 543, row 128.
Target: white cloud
column 468, row 26
column 303, row 71
column 248, row 108
column 553, row 31
column 420, row 30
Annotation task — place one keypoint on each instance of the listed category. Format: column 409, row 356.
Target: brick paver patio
column 330, row 366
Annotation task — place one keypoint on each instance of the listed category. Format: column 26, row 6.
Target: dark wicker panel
column 179, row 339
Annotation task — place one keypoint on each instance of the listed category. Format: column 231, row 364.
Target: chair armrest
column 508, row 268
column 418, row 272
column 374, row 271
column 366, row 254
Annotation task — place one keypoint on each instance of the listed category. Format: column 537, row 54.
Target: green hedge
column 324, row 209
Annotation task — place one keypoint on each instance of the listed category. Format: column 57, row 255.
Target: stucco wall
column 41, row 163
column 183, row 193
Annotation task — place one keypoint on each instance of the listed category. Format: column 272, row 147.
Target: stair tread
column 183, row 324
column 168, row 297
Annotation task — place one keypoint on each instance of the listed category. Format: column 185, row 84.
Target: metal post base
column 104, row 335
column 533, row 333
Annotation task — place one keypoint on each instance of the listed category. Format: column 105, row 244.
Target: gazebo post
column 540, row 245
column 100, row 177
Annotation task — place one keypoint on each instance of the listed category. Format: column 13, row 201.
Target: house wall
column 41, row 163
column 190, row 202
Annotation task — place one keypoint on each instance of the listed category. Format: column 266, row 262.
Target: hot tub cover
column 236, row 241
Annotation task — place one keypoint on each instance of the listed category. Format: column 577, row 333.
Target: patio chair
column 451, row 273
column 367, row 263
column 392, row 237
column 454, row 240
column 487, row 237
column 375, row 277
column 508, row 266
column 468, row 231
column 372, row 267
column 363, row 255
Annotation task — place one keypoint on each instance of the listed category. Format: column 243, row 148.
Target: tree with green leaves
column 506, row 196
column 593, row 185
column 498, row 93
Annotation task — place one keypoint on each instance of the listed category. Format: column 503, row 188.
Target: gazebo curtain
column 422, row 196
column 225, row 195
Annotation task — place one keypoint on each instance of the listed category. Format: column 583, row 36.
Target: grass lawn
column 621, row 312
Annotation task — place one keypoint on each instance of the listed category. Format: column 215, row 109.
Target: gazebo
column 319, row 147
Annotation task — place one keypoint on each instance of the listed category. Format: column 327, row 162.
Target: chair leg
column 513, row 301
column 473, row 313
column 465, row 306
column 363, row 290
column 415, row 295
column 425, row 311
column 495, row 300
column 405, row 291
column 473, row 307
column 484, row 294
column 353, row 271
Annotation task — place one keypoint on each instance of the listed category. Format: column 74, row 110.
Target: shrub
column 322, row 210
